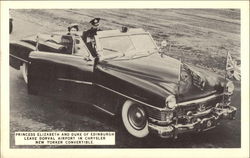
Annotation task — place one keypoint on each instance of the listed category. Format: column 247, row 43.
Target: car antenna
column 37, row 41
column 179, row 77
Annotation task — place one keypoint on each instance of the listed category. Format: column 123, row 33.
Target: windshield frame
column 100, row 49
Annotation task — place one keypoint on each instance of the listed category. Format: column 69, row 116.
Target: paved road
column 37, row 113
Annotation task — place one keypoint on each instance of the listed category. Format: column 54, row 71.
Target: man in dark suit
column 88, row 36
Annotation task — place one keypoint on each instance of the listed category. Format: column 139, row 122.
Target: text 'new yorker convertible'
column 125, row 75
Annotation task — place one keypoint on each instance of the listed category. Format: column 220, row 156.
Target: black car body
column 128, row 77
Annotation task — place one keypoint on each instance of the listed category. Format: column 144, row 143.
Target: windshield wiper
column 143, row 54
column 109, row 49
column 112, row 56
column 139, row 55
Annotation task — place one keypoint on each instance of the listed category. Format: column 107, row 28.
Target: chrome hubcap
column 137, row 117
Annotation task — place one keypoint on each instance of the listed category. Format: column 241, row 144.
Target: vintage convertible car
column 125, row 74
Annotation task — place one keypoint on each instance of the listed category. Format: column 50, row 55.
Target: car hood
column 164, row 72
column 153, row 68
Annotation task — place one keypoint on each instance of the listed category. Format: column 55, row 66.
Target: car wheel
column 135, row 119
column 24, row 69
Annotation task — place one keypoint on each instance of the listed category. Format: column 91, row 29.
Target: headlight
column 229, row 87
column 170, row 101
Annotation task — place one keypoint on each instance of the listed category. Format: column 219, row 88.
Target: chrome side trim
column 199, row 100
column 110, row 113
column 161, row 109
column 19, row 58
column 96, row 106
column 75, row 81
column 60, row 54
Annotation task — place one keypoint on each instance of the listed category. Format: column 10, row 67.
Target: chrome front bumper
column 201, row 123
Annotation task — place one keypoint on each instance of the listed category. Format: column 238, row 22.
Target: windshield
column 128, row 45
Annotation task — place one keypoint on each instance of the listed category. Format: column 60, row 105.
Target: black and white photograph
column 154, row 71
column 125, row 78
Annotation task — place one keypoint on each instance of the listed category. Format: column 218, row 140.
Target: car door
column 65, row 75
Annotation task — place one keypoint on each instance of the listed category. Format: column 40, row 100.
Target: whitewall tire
column 24, row 69
column 134, row 119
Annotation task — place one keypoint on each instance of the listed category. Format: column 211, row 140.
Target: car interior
column 64, row 44
column 67, row 42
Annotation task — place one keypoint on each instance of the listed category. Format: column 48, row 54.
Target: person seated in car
column 88, row 36
column 73, row 42
column 73, row 29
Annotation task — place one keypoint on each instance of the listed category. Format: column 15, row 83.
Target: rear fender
column 19, row 53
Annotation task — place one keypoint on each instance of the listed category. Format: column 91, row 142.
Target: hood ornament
column 201, row 108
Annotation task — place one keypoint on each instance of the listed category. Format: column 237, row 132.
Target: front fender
column 132, row 86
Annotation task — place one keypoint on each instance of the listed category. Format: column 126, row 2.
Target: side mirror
column 164, row 43
column 165, row 47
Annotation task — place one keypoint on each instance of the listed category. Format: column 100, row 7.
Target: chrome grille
column 156, row 114
column 197, row 107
